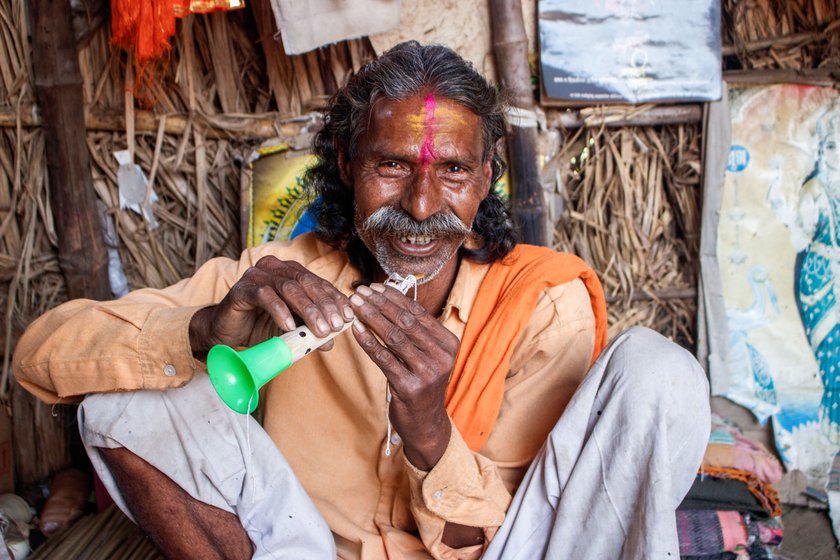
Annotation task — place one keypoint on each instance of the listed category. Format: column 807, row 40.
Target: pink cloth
column 729, row 448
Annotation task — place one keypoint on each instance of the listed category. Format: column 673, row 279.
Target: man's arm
column 417, row 358
column 547, row 365
column 146, row 340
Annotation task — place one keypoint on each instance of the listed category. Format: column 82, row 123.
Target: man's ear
column 345, row 171
column 487, row 175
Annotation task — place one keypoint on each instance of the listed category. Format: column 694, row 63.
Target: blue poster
column 778, row 249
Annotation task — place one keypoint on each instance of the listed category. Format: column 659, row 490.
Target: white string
column 523, row 118
column 248, row 423
column 388, row 419
column 248, row 420
column 403, row 284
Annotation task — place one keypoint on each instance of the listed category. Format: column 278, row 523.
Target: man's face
column 420, row 165
column 831, row 151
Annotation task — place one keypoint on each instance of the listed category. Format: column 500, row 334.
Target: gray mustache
column 393, row 222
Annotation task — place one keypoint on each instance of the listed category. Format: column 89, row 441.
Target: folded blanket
column 707, row 535
column 706, row 532
column 713, row 494
column 729, row 448
column 766, row 495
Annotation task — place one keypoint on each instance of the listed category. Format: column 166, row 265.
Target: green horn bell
column 238, row 376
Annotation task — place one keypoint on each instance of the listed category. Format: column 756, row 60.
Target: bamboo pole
column 510, row 45
column 623, row 116
column 812, row 77
column 58, row 88
column 216, row 126
column 41, row 434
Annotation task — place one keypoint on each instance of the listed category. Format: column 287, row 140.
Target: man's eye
column 456, row 168
column 392, row 169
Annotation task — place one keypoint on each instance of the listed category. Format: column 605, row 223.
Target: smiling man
column 478, row 415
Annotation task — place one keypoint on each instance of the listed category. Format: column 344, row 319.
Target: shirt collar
column 464, row 290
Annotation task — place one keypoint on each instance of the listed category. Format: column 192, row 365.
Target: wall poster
column 635, row 51
column 778, row 250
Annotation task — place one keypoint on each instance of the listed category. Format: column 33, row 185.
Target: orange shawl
column 503, row 306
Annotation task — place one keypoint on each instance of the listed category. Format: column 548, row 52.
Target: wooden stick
column 510, row 45
column 654, row 116
column 267, row 125
column 815, row 77
column 58, row 85
column 663, row 294
column 797, row 39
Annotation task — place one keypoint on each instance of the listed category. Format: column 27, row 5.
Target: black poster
column 634, row 51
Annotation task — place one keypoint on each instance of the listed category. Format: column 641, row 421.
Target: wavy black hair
column 406, row 70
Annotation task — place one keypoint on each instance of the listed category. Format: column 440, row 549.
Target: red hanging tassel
column 144, row 28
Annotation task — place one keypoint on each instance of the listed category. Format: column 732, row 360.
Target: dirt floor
column 808, row 535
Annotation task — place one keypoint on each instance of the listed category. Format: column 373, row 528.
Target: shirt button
column 438, row 495
column 396, row 439
column 169, row 370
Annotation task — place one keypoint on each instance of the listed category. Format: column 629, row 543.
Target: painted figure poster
column 779, row 257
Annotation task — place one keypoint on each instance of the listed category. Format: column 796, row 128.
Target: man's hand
column 283, row 289
column 416, row 354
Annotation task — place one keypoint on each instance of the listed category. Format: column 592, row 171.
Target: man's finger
column 341, row 301
column 401, row 342
column 394, row 371
column 256, row 291
column 299, row 301
column 317, row 302
column 426, row 331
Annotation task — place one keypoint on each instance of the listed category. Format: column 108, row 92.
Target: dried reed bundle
column 632, row 213
column 781, row 34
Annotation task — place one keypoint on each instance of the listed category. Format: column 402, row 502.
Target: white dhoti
column 606, row 484
column 217, row 456
column 618, row 462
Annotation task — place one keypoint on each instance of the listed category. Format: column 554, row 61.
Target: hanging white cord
column 403, row 284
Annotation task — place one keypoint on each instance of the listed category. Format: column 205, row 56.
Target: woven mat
column 108, row 535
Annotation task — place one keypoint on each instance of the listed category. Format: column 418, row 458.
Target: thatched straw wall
column 633, row 213
column 213, row 100
column 632, row 194
column 781, row 34
column 631, row 206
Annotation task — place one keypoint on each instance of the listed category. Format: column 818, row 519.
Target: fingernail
column 378, row 287
column 348, row 313
column 358, row 326
column 335, row 321
column 322, row 326
column 290, row 324
column 356, row 300
column 364, row 290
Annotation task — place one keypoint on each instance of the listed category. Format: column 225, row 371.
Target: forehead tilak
column 427, row 152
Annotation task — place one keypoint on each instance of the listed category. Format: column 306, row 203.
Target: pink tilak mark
column 427, row 154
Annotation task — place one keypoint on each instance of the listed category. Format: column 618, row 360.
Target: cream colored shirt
column 328, row 412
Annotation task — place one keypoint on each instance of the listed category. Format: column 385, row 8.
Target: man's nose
column 424, row 197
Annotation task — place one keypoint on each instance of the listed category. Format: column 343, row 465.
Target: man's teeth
column 416, row 239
